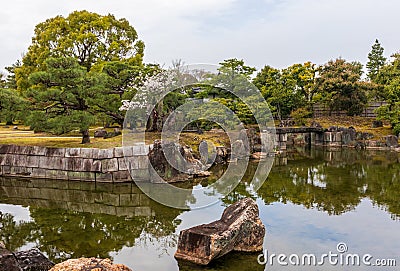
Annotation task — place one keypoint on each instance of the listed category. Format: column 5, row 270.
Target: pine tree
column 376, row 60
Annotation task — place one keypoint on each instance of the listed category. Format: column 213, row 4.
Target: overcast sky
column 274, row 32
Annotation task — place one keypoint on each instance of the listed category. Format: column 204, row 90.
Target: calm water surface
column 312, row 201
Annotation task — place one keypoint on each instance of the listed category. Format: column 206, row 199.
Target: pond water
column 312, row 201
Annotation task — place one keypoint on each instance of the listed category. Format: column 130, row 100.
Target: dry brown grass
column 23, row 136
column 361, row 124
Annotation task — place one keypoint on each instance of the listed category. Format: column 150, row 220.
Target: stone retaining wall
column 80, row 164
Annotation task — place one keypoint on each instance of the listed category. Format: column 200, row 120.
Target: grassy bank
column 23, row 136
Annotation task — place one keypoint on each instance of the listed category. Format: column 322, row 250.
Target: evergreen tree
column 340, row 84
column 61, row 97
column 376, row 61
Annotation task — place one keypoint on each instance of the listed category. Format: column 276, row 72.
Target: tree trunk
column 85, row 137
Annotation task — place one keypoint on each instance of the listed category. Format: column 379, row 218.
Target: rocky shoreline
column 34, row 260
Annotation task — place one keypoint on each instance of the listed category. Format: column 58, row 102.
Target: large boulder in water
column 179, row 156
column 84, row 264
column 239, row 229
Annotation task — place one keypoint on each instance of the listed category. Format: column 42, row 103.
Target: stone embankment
column 75, row 164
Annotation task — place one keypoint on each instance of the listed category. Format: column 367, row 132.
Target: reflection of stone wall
column 119, row 200
column 109, row 165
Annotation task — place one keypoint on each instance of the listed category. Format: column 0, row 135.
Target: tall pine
column 376, row 61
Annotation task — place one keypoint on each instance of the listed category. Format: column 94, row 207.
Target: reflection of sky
column 294, row 229
column 18, row 212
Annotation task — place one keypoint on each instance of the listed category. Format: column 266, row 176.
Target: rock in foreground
column 32, row 260
column 239, row 229
column 84, row 264
column 8, row 262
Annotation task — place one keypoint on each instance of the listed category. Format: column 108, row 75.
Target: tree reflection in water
column 333, row 182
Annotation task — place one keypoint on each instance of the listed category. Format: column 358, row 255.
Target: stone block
column 88, row 153
column 16, row 149
column 75, row 163
column 106, row 154
column 6, row 170
column 104, row 177
column 87, row 165
column 118, row 152
column 38, row 173
column 58, row 152
column 121, row 176
column 32, row 161
column 19, row 160
column 55, row 163
column 96, row 166
column 21, row 171
column 74, row 176
column 137, row 162
column 128, row 151
column 6, row 160
column 37, row 150
column 73, row 152
column 88, row 176
column 67, row 164
column 78, row 164
column 4, row 149
column 122, row 165
column 109, row 165
column 56, row 174
column 140, row 150
column 140, row 174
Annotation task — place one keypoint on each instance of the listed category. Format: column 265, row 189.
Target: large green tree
column 121, row 80
column 389, row 77
column 281, row 89
column 88, row 37
column 303, row 79
column 340, row 83
column 233, row 77
column 61, row 97
column 11, row 106
column 376, row 60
